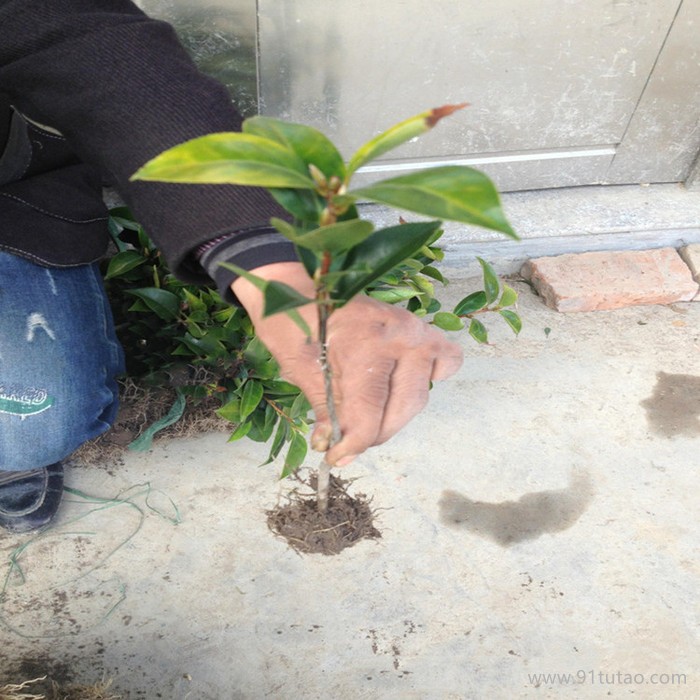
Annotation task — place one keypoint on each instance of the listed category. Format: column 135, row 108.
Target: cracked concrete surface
column 539, row 518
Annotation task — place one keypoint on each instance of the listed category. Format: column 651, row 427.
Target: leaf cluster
column 344, row 254
column 181, row 335
column 306, row 174
column 495, row 297
column 176, row 334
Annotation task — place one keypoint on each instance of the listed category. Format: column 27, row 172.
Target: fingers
column 447, row 361
column 383, row 359
column 365, row 389
column 383, row 378
column 410, row 384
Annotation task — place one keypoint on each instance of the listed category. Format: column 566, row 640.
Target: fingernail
column 318, row 444
column 320, row 440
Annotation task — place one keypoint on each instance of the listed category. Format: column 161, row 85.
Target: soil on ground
column 347, row 520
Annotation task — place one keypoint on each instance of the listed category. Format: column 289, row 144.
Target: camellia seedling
column 342, row 252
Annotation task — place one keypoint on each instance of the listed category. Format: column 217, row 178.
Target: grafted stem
column 325, row 308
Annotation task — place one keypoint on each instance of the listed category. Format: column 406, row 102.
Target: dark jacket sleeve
column 121, row 89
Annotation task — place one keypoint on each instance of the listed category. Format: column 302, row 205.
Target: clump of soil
column 348, row 519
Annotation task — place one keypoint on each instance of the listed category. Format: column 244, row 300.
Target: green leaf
column 285, row 228
column 433, row 306
column 114, row 232
column 240, row 432
column 143, row 442
column 144, row 241
column 252, row 395
column 303, row 205
column 194, row 329
column 123, row 218
column 474, row 302
column 309, row 259
column 453, row 192
column 300, row 407
column 279, row 387
column 393, row 296
column 229, row 158
column 123, row 262
column 295, row 455
column 164, row 304
column 477, row 330
column 308, row 143
column 301, row 323
column 492, row 285
column 282, row 297
column 513, row 320
column 256, row 354
column 379, row 253
column 231, row 411
column 278, row 441
column 269, row 420
column 508, row 297
column 194, row 302
column 336, row 238
column 399, row 134
column 448, row 321
column 263, row 422
column 421, row 283
column 208, row 346
column 433, row 272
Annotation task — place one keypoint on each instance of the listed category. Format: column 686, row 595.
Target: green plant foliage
column 453, row 192
column 494, row 298
column 216, row 158
column 193, row 340
column 399, row 134
column 186, row 336
column 343, row 254
column 210, row 350
column 306, row 142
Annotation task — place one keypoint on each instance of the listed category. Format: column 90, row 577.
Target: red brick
column 611, row 279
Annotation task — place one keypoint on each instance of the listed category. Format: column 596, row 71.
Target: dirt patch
column 43, row 679
column 348, row 519
column 139, row 407
column 44, row 688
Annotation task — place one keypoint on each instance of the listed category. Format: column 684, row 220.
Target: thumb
column 312, row 387
column 321, row 436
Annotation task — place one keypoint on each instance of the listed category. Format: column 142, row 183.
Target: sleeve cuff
column 247, row 249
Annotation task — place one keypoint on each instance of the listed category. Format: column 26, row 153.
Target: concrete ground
column 539, row 520
column 540, row 539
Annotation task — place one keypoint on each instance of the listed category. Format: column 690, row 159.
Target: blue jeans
column 59, row 357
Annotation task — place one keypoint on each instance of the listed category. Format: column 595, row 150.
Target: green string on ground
column 123, row 498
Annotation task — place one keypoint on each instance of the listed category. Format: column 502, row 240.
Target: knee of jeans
column 32, row 458
column 50, row 434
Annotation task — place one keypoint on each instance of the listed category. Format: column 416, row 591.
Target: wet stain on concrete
column 674, row 407
column 529, row 517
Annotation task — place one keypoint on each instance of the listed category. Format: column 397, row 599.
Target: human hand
column 382, row 357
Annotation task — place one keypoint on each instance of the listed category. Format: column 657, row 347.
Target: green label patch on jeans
column 23, row 402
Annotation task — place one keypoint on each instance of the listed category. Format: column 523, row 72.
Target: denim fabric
column 59, row 357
